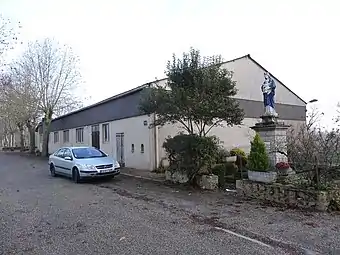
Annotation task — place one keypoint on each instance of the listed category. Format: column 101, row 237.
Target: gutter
column 156, row 144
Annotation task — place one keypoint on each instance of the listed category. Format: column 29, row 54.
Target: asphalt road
column 40, row 214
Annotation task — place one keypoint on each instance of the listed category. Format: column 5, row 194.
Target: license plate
column 106, row 170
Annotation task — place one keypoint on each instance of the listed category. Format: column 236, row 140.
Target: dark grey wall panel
column 254, row 109
column 123, row 107
column 127, row 106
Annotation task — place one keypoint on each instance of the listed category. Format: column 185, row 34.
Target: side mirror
column 68, row 158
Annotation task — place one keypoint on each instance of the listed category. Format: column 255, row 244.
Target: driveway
column 40, row 214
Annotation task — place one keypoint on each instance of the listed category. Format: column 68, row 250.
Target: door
column 120, row 149
column 58, row 161
column 95, row 136
column 66, row 165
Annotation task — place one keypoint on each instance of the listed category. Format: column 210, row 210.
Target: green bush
column 222, row 155
column 241, row 157
column 219, row 170
column 238, row 152
column 191, row 153
column 223, row 171
column 258, row 158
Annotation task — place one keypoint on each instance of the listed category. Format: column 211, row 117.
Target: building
column 11, row 139
column 116, row 126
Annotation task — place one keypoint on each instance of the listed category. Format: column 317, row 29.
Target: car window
column 56, row 152
column 67, row 153
column 60, row 153
column 88, row 153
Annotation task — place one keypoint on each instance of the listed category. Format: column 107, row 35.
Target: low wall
column 288, row 195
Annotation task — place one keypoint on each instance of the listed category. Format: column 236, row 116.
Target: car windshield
column 87, row 153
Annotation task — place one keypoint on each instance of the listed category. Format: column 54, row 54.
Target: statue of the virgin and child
column 268, row 89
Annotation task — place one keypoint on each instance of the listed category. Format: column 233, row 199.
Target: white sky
column 123, row 44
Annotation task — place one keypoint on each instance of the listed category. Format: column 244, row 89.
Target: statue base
column 274, row 135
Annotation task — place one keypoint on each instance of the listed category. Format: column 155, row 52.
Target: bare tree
column 5, row 118
column 54, row 72
column 310, row 144
column 8, row 34
column 20, row 100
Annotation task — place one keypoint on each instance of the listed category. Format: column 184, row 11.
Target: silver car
column 82, row 162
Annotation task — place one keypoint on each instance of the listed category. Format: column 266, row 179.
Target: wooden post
column 241, row 166
column 317, row 172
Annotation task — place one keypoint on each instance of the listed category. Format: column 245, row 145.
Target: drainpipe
column 156, row 143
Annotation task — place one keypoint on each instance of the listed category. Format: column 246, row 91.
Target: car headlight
column 116, row 164
column 88, row 167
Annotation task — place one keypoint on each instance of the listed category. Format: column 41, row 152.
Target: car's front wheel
column 52, row 170
column 75, row 175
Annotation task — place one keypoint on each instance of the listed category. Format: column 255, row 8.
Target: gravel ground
column 44, row 215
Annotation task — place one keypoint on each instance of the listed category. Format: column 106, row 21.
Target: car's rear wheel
column 75, row 175
column 52, row 170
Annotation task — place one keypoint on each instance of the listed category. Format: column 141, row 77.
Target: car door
column 58, row 161
column 66, row 164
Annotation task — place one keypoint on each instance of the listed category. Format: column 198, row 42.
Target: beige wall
column 249, row 77
column 134, row 133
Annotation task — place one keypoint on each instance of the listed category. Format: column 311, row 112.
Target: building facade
column 116, row 126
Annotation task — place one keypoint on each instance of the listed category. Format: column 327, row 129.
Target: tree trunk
column 46, row 132
column 22, row 137
column 6, row 143
column 31, row 131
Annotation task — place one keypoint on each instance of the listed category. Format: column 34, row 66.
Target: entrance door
column 95, row 136
column 120, row 148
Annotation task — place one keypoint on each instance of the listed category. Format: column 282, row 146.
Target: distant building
column 116, row 126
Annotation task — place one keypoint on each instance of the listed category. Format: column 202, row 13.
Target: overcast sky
column 123, row 44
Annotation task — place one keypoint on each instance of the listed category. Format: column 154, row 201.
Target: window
column 56, row 137
column 132, row 148
column 56, row 152
column 66, row 136
column 106, row 133
column 142, row 148
column 60, row 153
column 67, row 153
column 79, row 135
column 88, row 152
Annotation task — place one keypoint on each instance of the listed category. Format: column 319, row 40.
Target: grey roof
column 121, row 106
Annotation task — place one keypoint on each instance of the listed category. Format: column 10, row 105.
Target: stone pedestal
column 274, row 135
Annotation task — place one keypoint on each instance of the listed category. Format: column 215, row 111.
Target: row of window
column 80, row 135
column 66, row 136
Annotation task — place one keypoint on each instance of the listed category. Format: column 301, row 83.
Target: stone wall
column 288, row 195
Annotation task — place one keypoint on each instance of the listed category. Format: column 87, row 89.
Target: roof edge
column 258, row 64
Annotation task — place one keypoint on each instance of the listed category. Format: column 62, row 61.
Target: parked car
column 82, row 162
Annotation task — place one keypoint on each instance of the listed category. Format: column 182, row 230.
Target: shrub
column 241, row 157
column 223, row 170
column 219, row 170
column 191, row 153
column 238, row 152
column 222, row 155
column 258, row 158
